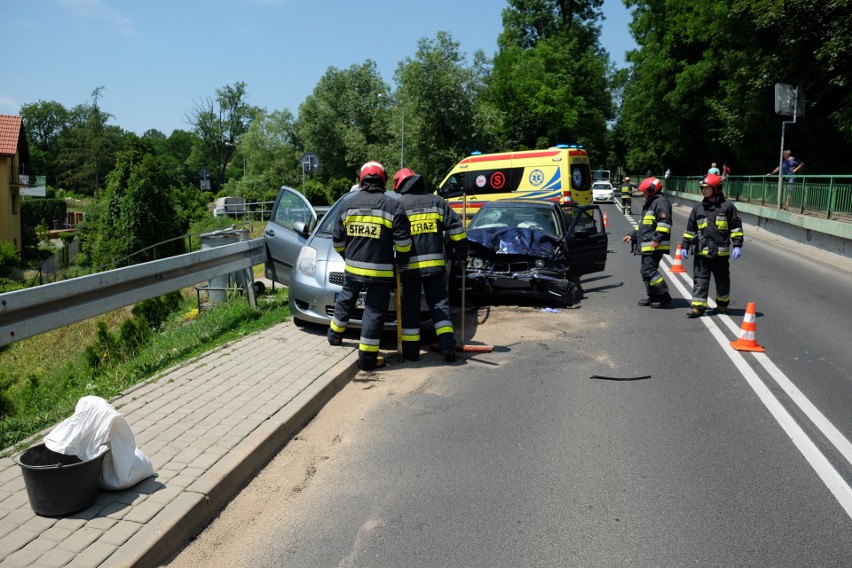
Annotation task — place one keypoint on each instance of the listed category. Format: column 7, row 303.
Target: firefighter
column 714, row 234
column 626, row 196
column 651, row 239
column 432, row 220
column 370, row 228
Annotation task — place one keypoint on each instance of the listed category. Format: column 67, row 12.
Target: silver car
column 300, row 255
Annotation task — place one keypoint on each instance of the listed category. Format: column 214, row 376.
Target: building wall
column 10, row 204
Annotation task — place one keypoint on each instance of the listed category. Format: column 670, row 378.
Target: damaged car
column 527, row 247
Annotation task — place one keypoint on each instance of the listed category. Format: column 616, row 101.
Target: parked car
column 534, row 247
column 602, row 192
column 300, row 255
column 230, row 206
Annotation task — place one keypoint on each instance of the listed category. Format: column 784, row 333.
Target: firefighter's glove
column 683, row 254
column 738, row 252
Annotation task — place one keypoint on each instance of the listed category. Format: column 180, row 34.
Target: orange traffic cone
column 747, row 340
column 677, row 264
column 606, row 221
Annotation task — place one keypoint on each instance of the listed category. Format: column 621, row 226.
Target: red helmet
column 651, row 186
column 627, row 179
column 713, row 181
column 401, row 176
column 373, row 169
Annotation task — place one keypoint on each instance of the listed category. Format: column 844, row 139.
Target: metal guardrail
column 29, row 312
column 828, row 196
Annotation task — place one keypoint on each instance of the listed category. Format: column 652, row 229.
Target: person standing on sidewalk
column 432, row 220
column 651, row 238
column 714, row 225
column 371, row 227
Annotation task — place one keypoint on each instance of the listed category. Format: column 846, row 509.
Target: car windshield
column 601, row 186
column 538, row 218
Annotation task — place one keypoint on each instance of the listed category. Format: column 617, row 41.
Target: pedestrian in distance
column 372, row 234
column 726, row 171
column 789, row 166
column 651, row 239
column 714, row 234
column 714, row 170
column 433, row 225
column 626, row 196
column 668, row 173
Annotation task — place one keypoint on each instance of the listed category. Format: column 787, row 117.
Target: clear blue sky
column 157, row 58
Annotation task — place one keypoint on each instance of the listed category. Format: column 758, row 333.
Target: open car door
column 290, row 223
column 585, row 238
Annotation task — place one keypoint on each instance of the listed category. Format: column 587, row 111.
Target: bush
column 9, row 258
column 157, row 310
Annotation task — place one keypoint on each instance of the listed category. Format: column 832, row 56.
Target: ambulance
column 560, row 174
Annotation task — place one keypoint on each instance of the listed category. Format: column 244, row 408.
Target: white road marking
column 829, row 475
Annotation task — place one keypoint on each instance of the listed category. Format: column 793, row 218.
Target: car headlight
column 539, row 263
column 477, row 263
column 307, row 261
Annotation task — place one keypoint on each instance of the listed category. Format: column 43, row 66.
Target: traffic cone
column 747, row 340
column 606, row 221
column 677, row 264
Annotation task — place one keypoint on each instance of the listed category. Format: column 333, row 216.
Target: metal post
column 784, row 123
column 402, row 154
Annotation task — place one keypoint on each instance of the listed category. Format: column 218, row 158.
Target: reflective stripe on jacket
column 370, row 227
column 431, row 218
column 655, row 225
column 715, row 227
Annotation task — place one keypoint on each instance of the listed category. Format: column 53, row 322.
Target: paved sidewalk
column 207, row 426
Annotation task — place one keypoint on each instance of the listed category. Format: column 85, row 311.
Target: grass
column 43, row 377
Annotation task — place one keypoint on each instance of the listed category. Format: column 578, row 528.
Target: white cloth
column 94, row 428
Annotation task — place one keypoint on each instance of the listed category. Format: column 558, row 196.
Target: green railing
column 828, row 196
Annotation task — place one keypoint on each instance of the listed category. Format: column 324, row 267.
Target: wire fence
column 828, row 196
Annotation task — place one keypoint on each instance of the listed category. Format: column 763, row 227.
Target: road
column 521, row 458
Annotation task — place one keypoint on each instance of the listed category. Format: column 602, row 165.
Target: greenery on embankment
column 42, row 378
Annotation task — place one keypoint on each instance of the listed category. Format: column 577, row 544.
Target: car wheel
column 259, row 287
column 299, row 322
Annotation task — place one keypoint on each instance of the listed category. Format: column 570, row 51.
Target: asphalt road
column 520, row 458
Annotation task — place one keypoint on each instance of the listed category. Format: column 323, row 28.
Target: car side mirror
column 300, row 228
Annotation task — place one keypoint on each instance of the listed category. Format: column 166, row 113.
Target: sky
column 158, row 59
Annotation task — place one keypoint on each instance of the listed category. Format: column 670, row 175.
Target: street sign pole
column 786, row 104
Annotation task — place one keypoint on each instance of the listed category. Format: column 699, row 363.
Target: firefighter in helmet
column 626, row 196
column 371, row 233
column 714, row 234
column 432, row 221
column 651, row 239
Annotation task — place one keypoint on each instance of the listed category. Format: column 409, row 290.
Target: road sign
column 789, row 100
column 310, row 162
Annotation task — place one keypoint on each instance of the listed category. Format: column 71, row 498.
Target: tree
column 44, row 122
column 439, row 91
column 702, row 83
column 220, row 124
column 549, row 80
column 136, row 209
column 269, row 153
column 344, row 122
column 87, row 147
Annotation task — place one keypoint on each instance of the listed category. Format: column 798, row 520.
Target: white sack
column 95, row 428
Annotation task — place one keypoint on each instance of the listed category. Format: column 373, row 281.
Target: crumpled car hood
column 515, row 241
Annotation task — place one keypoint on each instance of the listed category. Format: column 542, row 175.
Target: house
column 14, row 156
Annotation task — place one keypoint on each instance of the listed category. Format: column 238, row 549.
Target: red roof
column 11, row 134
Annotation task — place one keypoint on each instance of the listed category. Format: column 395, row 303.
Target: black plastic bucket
column 58, row 484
